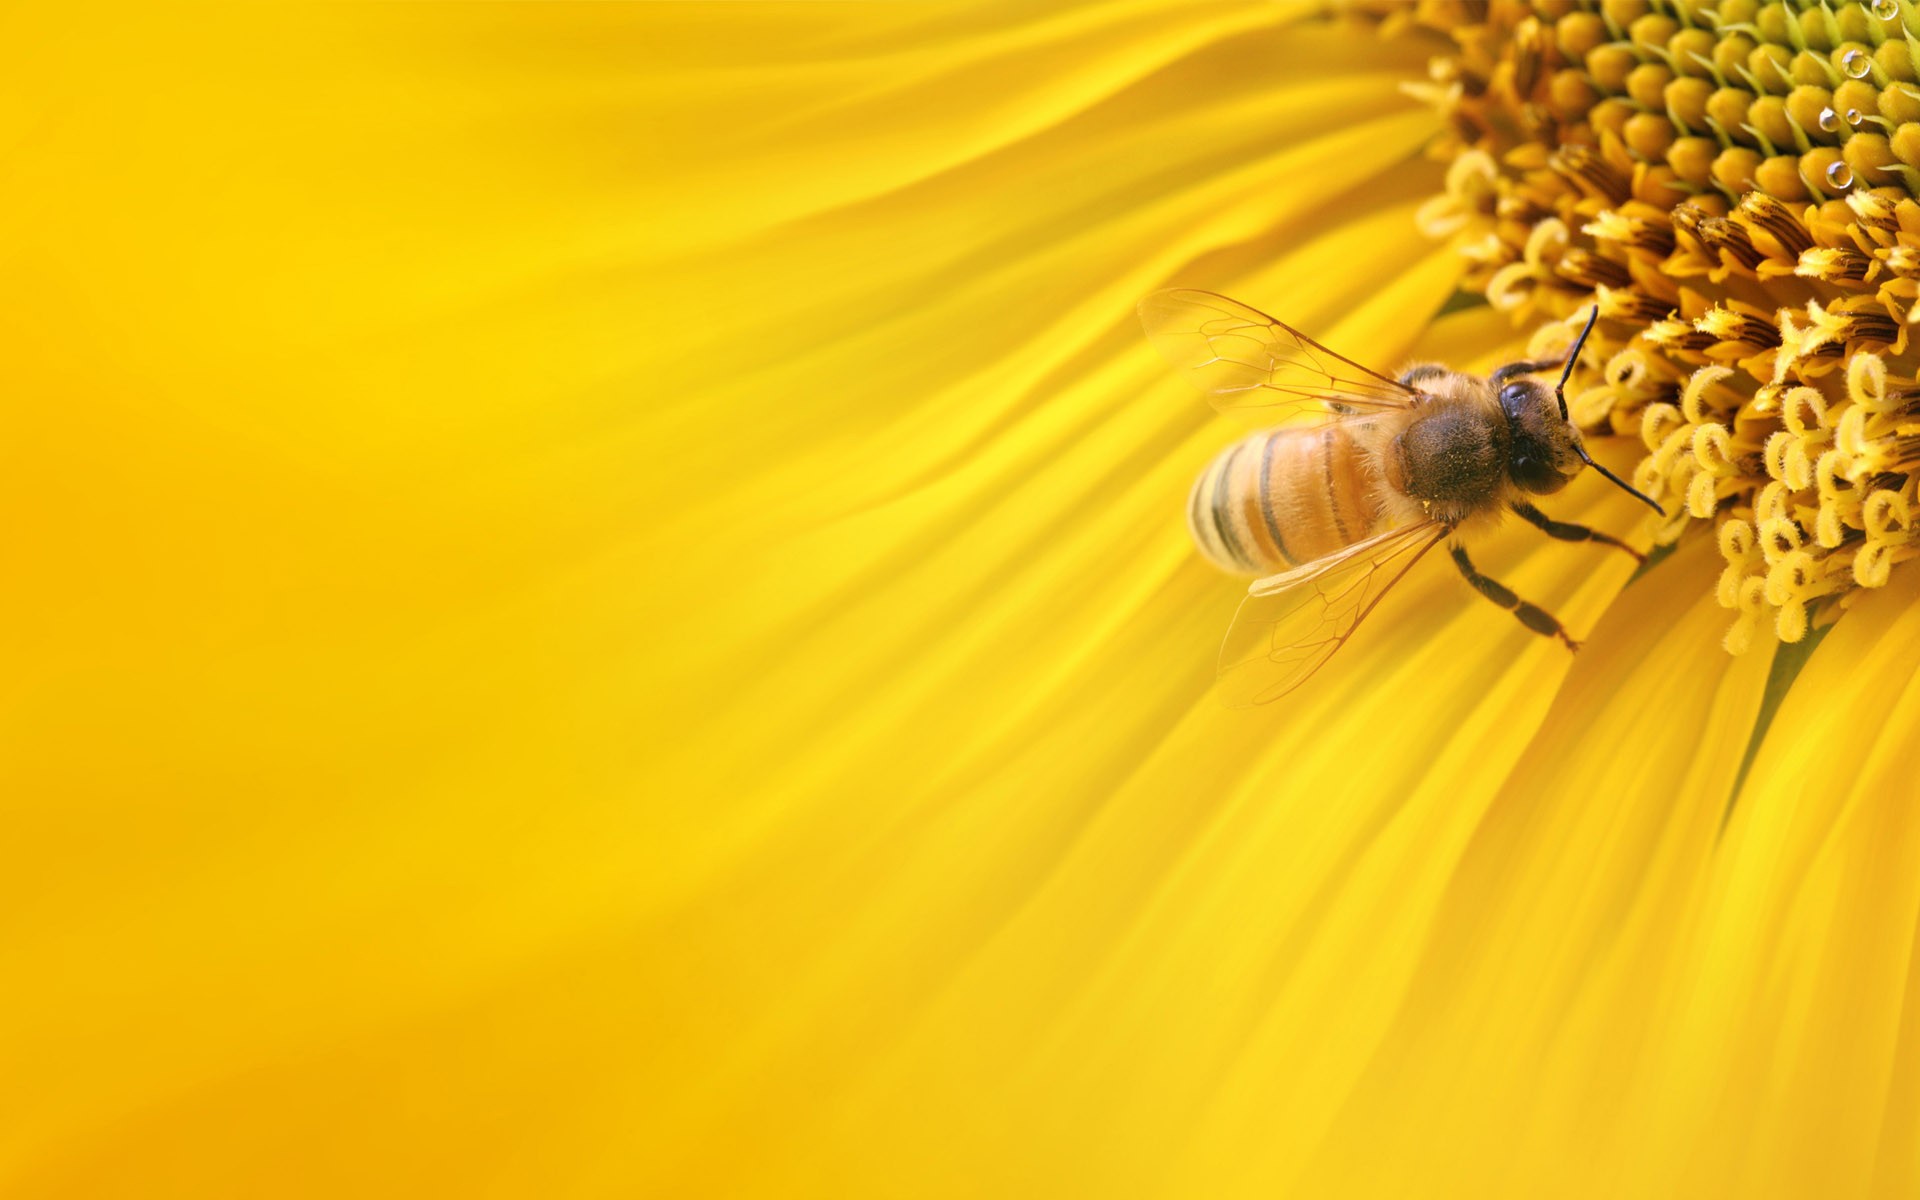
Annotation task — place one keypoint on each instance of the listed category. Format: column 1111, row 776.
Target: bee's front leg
column 1531, row 615
column 1568, row 531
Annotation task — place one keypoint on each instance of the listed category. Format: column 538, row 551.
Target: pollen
column 1734, row 185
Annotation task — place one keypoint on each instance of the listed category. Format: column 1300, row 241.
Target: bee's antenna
column 1621, row 483
column 1560, row 394
column 1573, row 356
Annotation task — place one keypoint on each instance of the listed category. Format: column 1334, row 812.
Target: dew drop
column 1853, row 118
column 1886, row 10
column 1856, row 64
column 1839, row 174
column 1829, row 120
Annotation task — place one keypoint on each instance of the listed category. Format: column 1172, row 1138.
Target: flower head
column 1732, row 185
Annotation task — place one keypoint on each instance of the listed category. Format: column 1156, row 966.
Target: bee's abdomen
column 1282, row 498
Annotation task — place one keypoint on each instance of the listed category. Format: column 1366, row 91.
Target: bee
column 1331, row 515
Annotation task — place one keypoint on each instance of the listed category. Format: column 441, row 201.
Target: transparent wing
column 1290, row 624
column 1243, row 358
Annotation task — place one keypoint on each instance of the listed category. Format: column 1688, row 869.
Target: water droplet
column 1853, row 118
column 1886, row 10
column 1839, row 174
column 1856, row 64
column 1829, row 120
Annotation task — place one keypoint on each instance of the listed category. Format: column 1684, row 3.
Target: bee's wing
column 1243, row 358
column 1291, row 623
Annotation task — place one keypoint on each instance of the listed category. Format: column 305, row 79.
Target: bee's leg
column 1547, row 364
column 1531, row 615
column 1525, row 368
column 1567, row 531
column 1420, row 373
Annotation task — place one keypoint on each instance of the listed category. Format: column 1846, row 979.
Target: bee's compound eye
column 1513, row 396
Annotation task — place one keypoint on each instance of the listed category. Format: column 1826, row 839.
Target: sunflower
column 599, row 606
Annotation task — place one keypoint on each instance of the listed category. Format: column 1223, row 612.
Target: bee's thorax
column 1452, row 459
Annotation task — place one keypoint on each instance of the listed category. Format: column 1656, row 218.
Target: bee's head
column 1546, row 452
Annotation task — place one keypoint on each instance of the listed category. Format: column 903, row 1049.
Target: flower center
column 1734, row 186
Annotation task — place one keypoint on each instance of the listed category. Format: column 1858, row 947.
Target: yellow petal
column 452, row 751
column 1791, row 1054
column 1511, row 1039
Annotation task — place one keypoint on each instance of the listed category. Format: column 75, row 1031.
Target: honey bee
column 1332, row 515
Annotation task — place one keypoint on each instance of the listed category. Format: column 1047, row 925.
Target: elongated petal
column 1798, row 1062
column 529, row 537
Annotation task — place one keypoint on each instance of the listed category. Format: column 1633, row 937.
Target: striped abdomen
column 1283, row 498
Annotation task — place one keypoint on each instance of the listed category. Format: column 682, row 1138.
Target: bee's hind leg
column 1531, row 615
column 1567, row 531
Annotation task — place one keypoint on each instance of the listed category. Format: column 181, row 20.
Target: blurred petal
column 1516, row 1039
column 456, row 542
column 1791, row 1045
